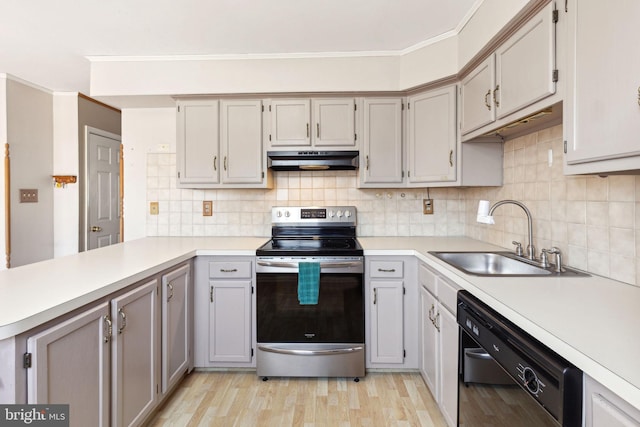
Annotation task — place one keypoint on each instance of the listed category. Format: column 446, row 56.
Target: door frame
column 84, row 182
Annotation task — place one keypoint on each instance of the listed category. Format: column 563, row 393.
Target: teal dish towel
column 308, row 282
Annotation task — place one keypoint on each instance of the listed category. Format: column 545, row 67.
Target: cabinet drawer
column 427, row 279
column 386, row 269
column 230, row 269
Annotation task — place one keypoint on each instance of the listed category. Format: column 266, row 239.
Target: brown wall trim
column 88, row 98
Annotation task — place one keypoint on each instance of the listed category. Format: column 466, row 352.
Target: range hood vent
column 312, row 160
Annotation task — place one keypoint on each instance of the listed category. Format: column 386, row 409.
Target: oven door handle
column 298, row 352
column 322, row 264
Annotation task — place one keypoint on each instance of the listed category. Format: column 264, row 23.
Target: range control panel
column 314, row 215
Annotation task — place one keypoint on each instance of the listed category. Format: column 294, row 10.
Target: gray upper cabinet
column 602, row 104
column 382, row 143
column 198, row 142
column 432, row 136
column 324, row 123
column 521, row 72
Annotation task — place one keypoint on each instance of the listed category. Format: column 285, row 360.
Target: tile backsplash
column 594, row 221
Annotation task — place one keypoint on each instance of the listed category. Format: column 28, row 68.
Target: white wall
column 144, row 131
column 429, row 63
column 65, row 162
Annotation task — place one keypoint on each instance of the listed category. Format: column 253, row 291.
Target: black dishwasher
column 540, row 388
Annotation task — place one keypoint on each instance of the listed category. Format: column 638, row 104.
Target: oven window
column 484, row 398
column 337, row 318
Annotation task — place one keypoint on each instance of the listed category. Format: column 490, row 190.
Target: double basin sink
column 499, row 264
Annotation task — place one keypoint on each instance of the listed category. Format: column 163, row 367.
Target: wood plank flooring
column 243, row 399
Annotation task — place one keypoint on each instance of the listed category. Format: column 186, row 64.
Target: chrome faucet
column 531, row 250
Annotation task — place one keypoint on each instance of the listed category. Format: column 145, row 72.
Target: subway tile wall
column 243, row 212
column 594, row 221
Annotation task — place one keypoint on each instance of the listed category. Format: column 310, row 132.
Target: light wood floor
column 243, row 399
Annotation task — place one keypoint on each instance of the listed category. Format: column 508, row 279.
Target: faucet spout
column 531, row 250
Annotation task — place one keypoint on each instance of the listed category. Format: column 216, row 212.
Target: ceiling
column 49, row 42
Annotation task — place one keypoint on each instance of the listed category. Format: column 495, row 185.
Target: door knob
column 95, row 228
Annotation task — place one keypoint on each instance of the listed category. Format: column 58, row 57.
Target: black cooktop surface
column 327, row 246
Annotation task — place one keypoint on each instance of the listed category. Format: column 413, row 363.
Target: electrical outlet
column 427, row 206
column 154, row 209
column 207, row 208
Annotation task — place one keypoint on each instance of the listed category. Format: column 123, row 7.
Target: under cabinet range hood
column 312, row 160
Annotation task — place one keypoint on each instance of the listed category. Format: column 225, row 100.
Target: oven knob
column 339, row 214
column 279, row 214
column 331, row 214
column 347, row 214
column 531, row 380
column 287, row 214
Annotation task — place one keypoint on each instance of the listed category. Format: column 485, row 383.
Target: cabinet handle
column 124, row 320
column 486, row 100
column 639, row 95
column 436, row 322
column 318, row 130
column 367, row 163
column 225, row 162
column 495, row 97
column 225, row 270
column 387, row 270
column 108, row 328
column 451, row 158
column 307, row 130
column 215, row 163
column 211, row 294
column 375, row 295
column 431, row 310
column 170, row 286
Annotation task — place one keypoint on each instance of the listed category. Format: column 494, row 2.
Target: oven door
column 337, row 318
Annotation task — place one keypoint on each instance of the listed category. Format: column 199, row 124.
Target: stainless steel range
column 310, row 295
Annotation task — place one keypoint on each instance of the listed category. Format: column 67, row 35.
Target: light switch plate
column 207, row 208
column 427, row 206
column 154, row 209
column 29, row 195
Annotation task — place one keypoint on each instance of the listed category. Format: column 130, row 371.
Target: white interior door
column 103, row 189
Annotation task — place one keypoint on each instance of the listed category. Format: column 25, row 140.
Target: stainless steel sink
column 499, row 264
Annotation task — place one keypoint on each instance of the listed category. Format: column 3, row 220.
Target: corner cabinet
column 521, row 72
column 390, row 306
column 602, row 104
column 439, row 341
column 224, row 312
column 219, row 144
column 382, row 160
column 432, row 137
column 324, row 123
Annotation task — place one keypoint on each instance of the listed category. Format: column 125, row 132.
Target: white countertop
column 591, row 321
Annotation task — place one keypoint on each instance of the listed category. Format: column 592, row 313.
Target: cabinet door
column 448, row 337
column 197, row 142
column 77, row 348
column 428, row 333
column 525, row 64
column 230, row 321
column 601, row 109
column 290, row 122
column 432, row 136
column 605, row 414
column 134, row 354
column 175, row 325
column 387, row 330
column 476, row 96
column 382, row 141
column 241, row 142
column 334, row 122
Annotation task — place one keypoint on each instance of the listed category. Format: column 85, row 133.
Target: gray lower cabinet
column 77, row 348
column 603, row 408
column 390, row 312
column 176, row 325
column 224, row 312
column 117, row 352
